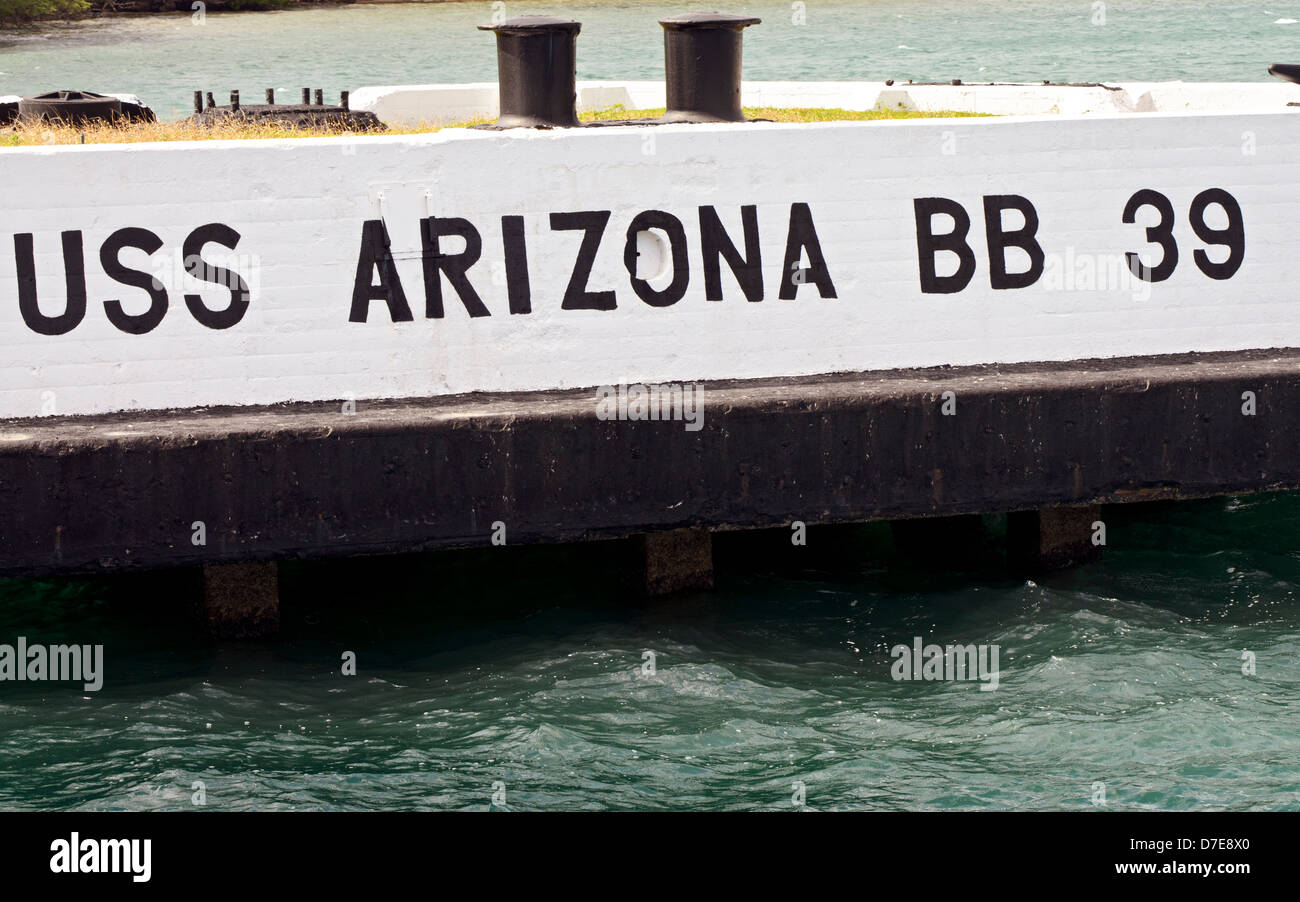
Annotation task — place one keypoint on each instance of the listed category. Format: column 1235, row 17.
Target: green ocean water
column 522, row 670
column 165, row 58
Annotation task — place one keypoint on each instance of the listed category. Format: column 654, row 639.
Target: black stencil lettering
column 1233, row 237
column 74, row 270
column 196, row 266
column 376, row 251
column 672, row 227
column 576, row 295
column 1023, row 238
column 453, row 266
column 1162, row 233
column 803, row 237
column 517, row 285
column 147, row 241
column 715, row 244
column 928, row 245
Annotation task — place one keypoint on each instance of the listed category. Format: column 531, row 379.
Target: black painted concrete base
column 1053, row 538
column 126, row 491
column 679, row 560
column 241, row 601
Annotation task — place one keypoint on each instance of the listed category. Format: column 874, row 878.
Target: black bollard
column 234, row 101
column 702, row 65
column 1285, row 71
column 270, row 96
column 343, row 100
column 198, row 101
column 211, row 102
column 306, row 96
column 320, row 97
column 536, row 71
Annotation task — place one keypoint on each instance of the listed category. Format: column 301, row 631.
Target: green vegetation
column 17, row 12
column 25, row 10
column 250, row 5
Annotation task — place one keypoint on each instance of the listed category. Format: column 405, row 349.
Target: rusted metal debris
column 305, row 115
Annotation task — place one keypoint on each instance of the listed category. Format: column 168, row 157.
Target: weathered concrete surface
column 124, row 491
column 677, row 560
column 241, row 601
column 1053, row 538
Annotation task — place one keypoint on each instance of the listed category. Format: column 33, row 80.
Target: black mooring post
column 306, row 96
column 536, row 71
column 270, row 96
column 198, row 101
column 234, row 101
column 702, row 65
column 343, row 99
column 320, row 97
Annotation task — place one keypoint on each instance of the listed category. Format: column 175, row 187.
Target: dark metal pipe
column 536, row 71
column 702, row 65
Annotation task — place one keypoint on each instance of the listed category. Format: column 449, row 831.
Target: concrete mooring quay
column 216, row 355
column 132, row 491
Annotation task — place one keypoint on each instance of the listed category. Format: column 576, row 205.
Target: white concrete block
column 299, row 207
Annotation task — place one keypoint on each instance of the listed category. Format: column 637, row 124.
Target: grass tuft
column 23, row 134
column 785, row 114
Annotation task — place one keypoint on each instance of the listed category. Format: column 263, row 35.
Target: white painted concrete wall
column 447, row 104
column 299, row 206
column 443, row 104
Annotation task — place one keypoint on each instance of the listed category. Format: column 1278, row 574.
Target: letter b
column 928, row 245
column 999, row 240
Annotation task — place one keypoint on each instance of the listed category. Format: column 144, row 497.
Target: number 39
column 1162, row 233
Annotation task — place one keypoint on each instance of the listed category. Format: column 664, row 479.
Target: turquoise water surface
column 522, row 670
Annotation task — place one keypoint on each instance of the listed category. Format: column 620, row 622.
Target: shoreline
column 160, row 7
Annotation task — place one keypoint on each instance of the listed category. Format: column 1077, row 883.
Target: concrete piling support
column 679, row 560
column 941, row 541
column 763, row 460
column 1053, row 538
column 241, row 601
